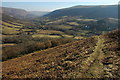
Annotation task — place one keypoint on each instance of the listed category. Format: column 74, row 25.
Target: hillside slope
column 21, row 13
column 94, row 57
column 14, row 12
column 87, row 11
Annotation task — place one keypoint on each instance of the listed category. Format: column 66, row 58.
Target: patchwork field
column 48, row 36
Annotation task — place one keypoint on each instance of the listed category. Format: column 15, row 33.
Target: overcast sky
column 50, row 5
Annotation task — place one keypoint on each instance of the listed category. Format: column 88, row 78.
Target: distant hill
column 108, row 24
column 21, row 13
column 105, row 24
column 94, row 57
column 14, row 12
column 38, row 13
column 101, row 11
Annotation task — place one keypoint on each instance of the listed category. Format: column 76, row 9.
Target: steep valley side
column 94, row 57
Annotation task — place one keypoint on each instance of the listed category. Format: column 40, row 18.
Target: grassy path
column 92, row 66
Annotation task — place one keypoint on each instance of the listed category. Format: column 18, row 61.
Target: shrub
column 29, row 47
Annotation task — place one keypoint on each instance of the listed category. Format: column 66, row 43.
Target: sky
column 50, row 5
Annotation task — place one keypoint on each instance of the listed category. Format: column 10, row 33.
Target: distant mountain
column 102, row 11
column 94, row 57
column 21, row 13
column 38, row 13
